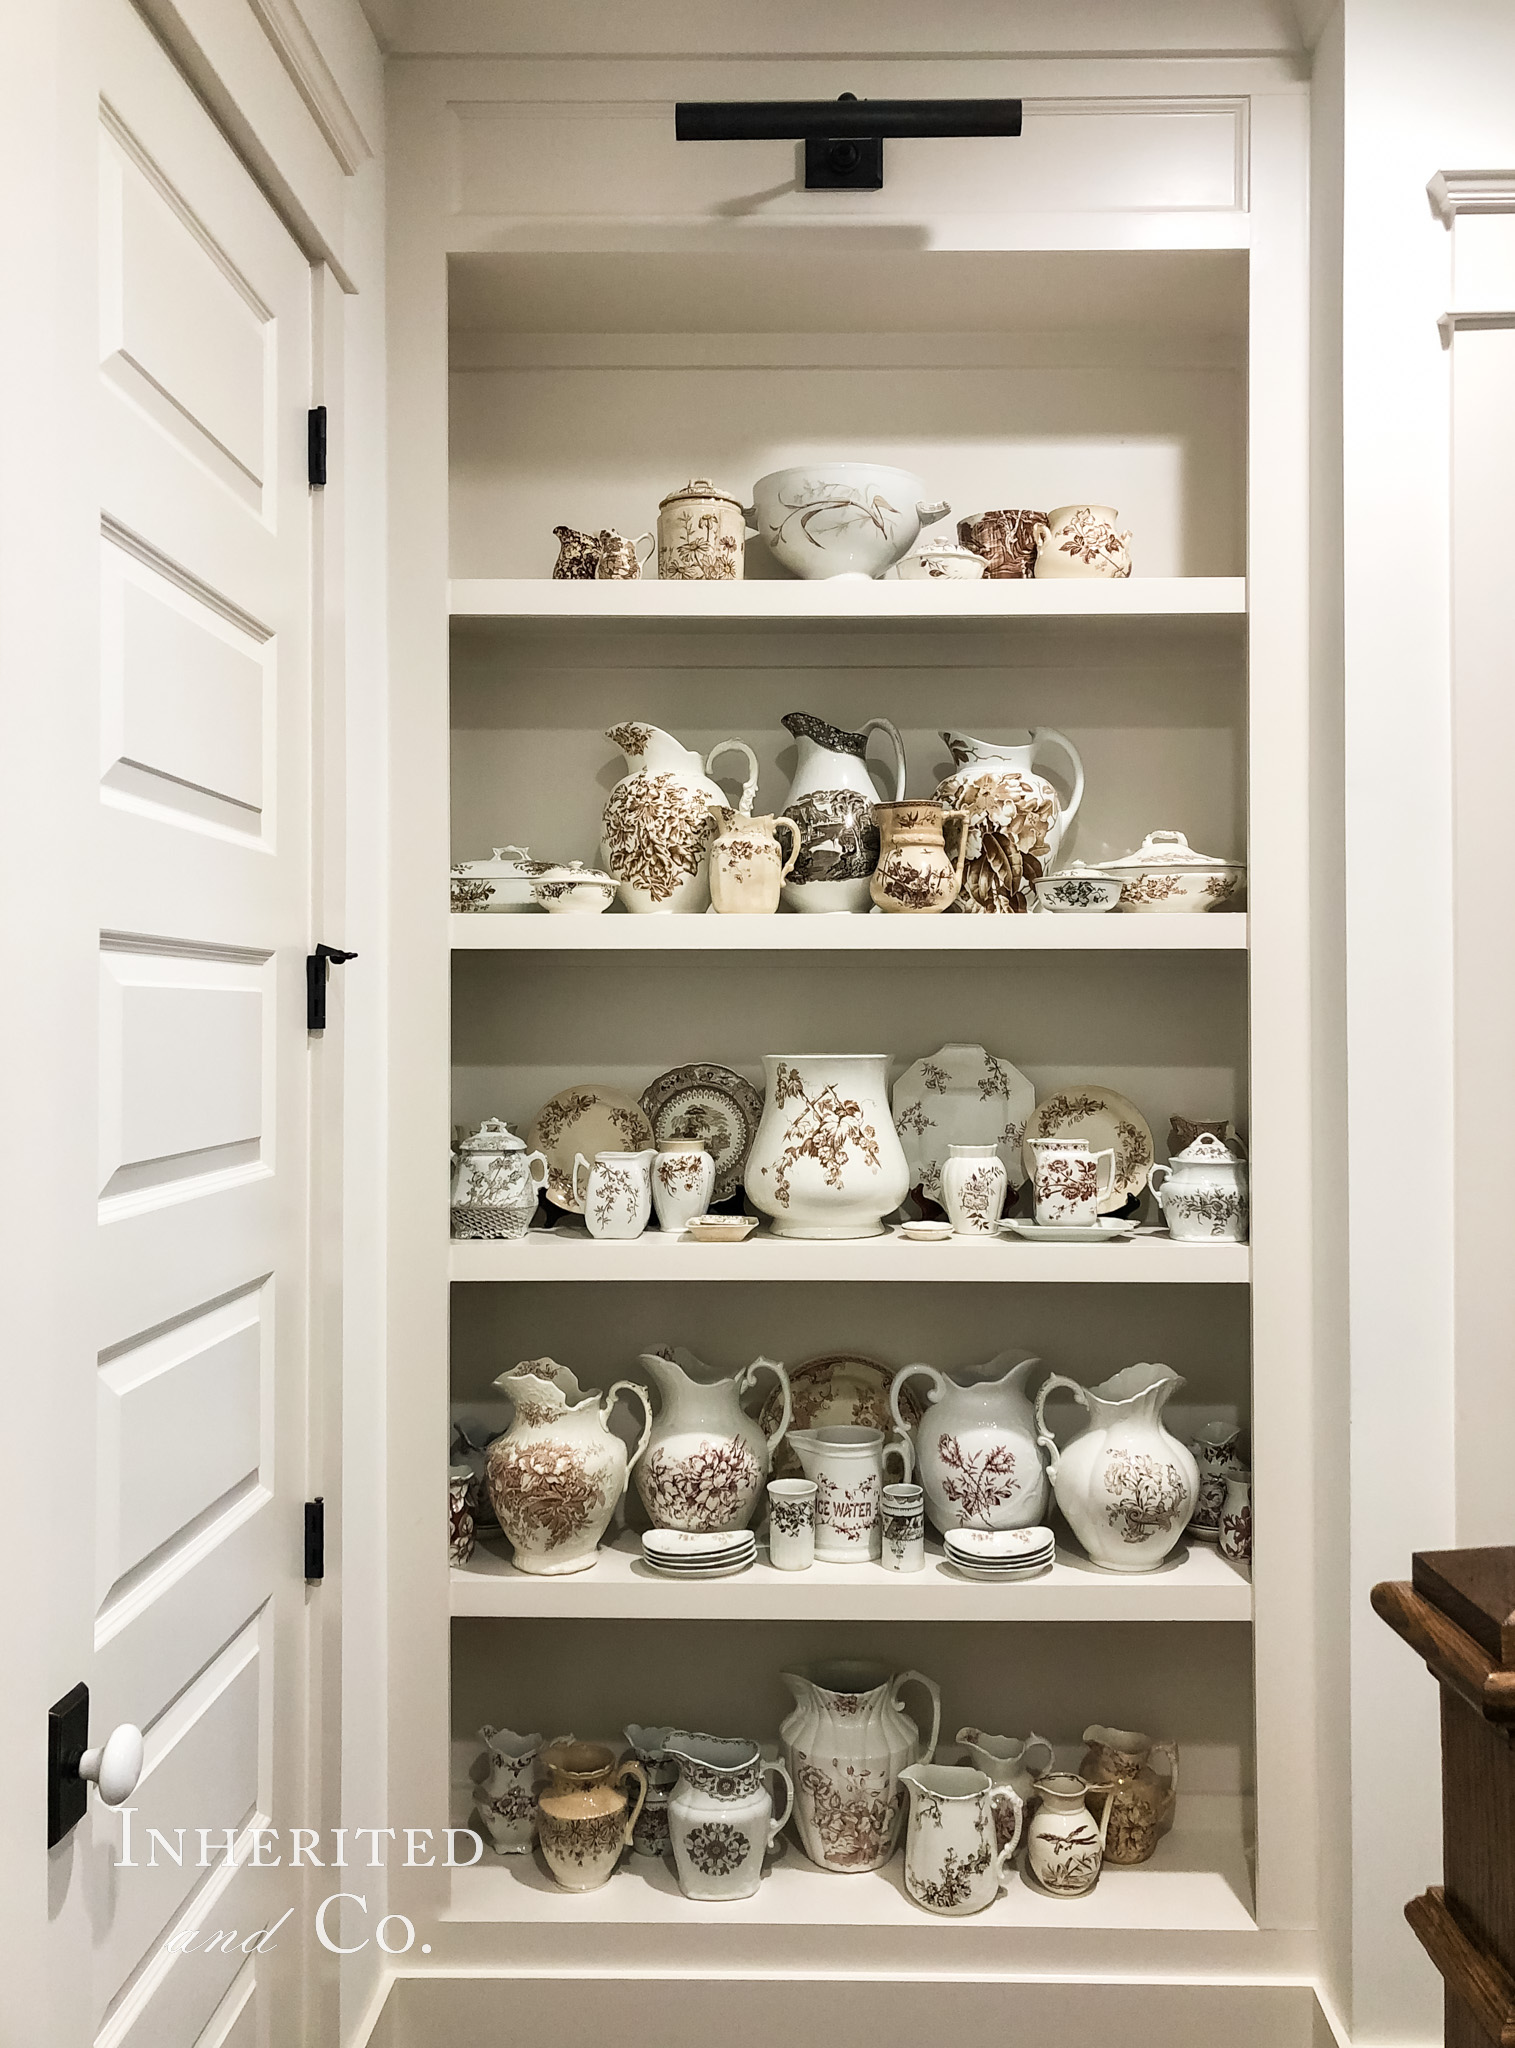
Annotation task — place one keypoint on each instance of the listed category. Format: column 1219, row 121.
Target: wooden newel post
column 1458, row 1613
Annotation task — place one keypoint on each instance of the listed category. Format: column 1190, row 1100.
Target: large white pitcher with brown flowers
column 657, row 824
column 976, row 1452
column 1014, row 819
column 846, row 1742
column 1126, row 1485
column 707, row 1458
column 557, row 1474
column 826, row 1161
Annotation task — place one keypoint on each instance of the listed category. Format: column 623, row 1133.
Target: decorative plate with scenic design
column 588, row 1119
column 838, row 1391
column 1110, row 1123
column 714, row 1105
column 961, row 1095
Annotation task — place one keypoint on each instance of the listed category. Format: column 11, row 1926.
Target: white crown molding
column 1455, row 192
column 300, row 54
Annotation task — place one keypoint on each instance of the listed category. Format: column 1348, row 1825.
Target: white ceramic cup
column 902, row 1521
column 1066, row 1182
column 791, row 1524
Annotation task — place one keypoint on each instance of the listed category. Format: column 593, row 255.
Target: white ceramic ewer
column 507, row 1797
column 846, row 1741
column 1015, row 821
column 1008, row 1760
column 847, row 1465
column 975, row 1447
column 831, row 804
column 1065, row 1846
column 657, row 822
column 707, row 1458
column 961, row 1836
column 1125, row 1484
column 557, row 1473
column 826, row 1161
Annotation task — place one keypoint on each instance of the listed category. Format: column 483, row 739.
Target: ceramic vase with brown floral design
column 826, row 1161
column 1125, row 1483
column 1014, row 820
column 657, row 824
column 585, row 1817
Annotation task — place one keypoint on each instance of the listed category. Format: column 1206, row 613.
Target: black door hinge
column 67, row 1740
column 315, row 983
column 315, row 448
column 315, row 1540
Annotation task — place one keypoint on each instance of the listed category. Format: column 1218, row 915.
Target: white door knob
column 116, row 1768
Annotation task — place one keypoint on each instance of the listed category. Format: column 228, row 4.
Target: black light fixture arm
column 844, row 138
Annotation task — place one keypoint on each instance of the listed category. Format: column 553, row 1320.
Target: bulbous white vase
column 826, row 1161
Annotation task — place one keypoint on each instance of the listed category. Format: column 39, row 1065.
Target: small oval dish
column 720, row 1229
column 1078, row 890
column 1165, row 873
column 926, row 1232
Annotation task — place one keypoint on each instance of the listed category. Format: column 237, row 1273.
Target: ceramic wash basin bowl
column 841, row 518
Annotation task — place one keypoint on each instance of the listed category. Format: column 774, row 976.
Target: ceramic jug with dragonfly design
column 976, row 1451
column 846, row 1742
column 831, row 800
column 707, row 1458
column 1015, row 819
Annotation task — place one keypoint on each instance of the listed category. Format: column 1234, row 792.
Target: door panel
column 204, row 864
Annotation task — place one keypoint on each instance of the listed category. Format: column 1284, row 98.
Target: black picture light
column 844, row 138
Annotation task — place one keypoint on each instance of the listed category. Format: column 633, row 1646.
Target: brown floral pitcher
column 1141, row 1802
column 914, row 873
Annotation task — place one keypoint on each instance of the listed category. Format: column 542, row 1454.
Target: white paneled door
column 199, row 1603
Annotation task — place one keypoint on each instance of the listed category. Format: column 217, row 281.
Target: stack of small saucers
column 999, row 1553
column 687, row 1554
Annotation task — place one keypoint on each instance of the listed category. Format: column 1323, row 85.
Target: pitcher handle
column 1170, row 1751
column 1101, row 1192
column 998, row 1796
column 883, row 725
column 1044, row 1435
column 938, row 1388
column 904, row 1450
column 782, row 824
column 1035, row 1741
column 1049, row 735
column 919, row 1678
column 632, row 1769
column 781, row 1374
column 779, row 1769
column 652, row 540
column 749, row 787
column 533, row 1161
column 628, row 1387
column 578, row 1161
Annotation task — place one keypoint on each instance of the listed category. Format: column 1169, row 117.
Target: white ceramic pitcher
column 1015, row 821
column 557, row 1473
column 657, row 823
column 962, row 1834
column 975, row 1446
column 847, row 1465
column 615, row 1192
column 846, row 1741
column 831, row 802
column 720, row 1814
column 1126, row 1485
column 707, row 1458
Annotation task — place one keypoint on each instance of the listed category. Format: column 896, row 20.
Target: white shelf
column 1197, row 1881
column 569, row 1253
column 792, row 598
column 613, row 932
column 1195, row 1585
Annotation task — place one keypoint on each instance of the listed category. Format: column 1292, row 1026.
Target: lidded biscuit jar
column 494, row 1191
column 702, row 534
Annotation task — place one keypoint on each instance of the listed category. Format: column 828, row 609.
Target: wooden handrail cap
column 1452, row 1655
column 1476, row 1590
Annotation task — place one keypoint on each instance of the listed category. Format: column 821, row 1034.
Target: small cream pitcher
column 847, row 1465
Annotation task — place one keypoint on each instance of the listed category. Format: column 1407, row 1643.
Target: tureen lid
column 1206, row 1150
column 493, row 1136
column 1080, row 870
column 572, row 871
column 699, row 487
column 1169, row 850
column 505, row 860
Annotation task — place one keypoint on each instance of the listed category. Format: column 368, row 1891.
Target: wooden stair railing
column 1458, row 1613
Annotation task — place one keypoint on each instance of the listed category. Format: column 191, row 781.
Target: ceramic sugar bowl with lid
column 702, row 534
column 494, row 1190
column 1202, row 1193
